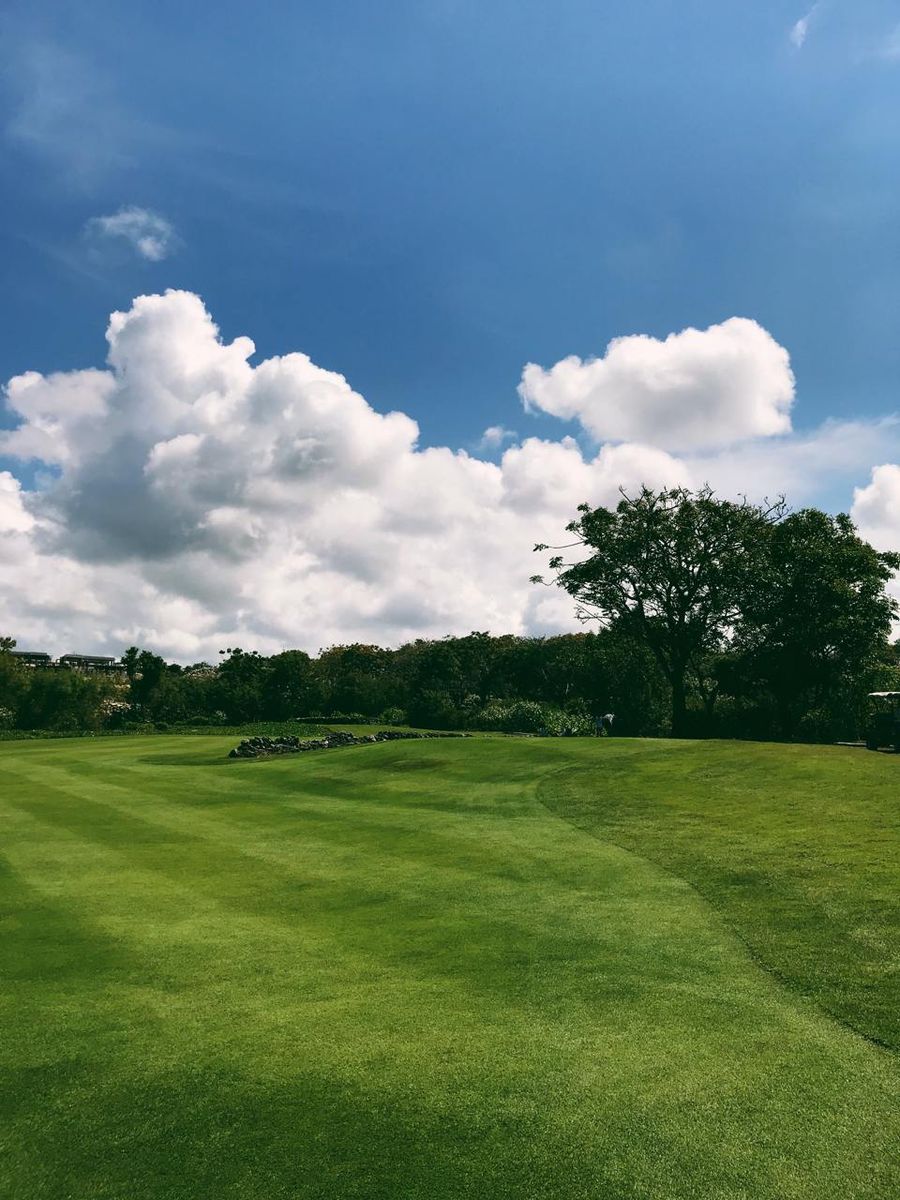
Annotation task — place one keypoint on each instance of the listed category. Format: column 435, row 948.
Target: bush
column 531, row 716
column 114, row 712
column 393, row 716
column 820, row 725
column 742, row 719
column 518, row 716
column 435, row 710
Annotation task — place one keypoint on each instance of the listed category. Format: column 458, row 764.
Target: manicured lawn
column 797, row 846
column 481, row 968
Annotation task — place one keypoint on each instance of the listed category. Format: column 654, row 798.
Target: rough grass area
column 523, row 968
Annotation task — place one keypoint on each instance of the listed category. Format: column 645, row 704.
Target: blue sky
column 425, row 196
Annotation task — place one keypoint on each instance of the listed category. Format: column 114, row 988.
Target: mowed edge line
column 796, row 996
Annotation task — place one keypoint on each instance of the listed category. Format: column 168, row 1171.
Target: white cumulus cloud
column 188, row 500
column 876, row 507
column 695, row 389
column 494, row 437
column 150, row 235
column 201, row 501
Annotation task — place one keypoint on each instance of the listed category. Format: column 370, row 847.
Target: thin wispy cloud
column 800, row 29
column 64, row 108
column 890, row 47
column 61, row 108
column 149, row 234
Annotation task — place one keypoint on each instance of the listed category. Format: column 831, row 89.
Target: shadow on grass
column 207, row 759
column 209, row 1132
column 44, row 940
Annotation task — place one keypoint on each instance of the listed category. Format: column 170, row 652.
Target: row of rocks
column 262, row 747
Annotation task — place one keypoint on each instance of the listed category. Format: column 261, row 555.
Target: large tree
column 820, row 620
column 671, row 568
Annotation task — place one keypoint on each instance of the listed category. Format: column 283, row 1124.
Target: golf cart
column 883, row 726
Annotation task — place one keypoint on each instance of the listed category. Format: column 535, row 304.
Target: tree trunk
column 679, row 705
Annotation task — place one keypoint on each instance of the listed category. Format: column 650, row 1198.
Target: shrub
column 733, row 717
column 435, row 710
column 531, row 716
column 393, row 716
column 819, row 725
column 114, row 712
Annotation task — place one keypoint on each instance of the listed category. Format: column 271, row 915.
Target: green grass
column 797, row 846
column 500, row 968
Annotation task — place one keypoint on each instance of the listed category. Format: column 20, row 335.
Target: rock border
column 264, row 747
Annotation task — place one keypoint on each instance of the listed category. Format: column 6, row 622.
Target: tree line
column 705, row 617
column 477, row 681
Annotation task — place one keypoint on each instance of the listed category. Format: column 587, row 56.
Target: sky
column 400, row 285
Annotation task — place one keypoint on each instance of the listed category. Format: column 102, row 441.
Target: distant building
column 85, row 663
column 89, row 663
column 31, row 658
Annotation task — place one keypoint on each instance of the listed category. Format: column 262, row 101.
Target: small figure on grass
column 603, row 726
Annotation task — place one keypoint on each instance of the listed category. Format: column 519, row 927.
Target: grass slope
column 394, row 971
column 798, row 846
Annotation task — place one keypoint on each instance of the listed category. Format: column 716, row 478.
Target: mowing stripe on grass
column 392, row 972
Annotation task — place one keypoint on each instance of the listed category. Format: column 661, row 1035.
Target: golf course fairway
column 529, row 968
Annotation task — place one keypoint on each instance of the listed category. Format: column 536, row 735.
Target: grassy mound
column 397, row 972
column 798, row 847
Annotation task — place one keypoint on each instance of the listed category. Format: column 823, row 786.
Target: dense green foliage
column 479, row 682
column 60, row 700
column 784, row 614
column 509, row 684
column 395, row 971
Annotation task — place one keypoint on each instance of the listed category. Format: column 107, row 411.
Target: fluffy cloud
column 199, row 500
column 696, row 389
column 150, row 235
column 876, row 507
column 876, row 511
column 494, row 437
column 14, row 519
column 189, row 500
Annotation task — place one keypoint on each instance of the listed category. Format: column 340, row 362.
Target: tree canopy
column 691, row 576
